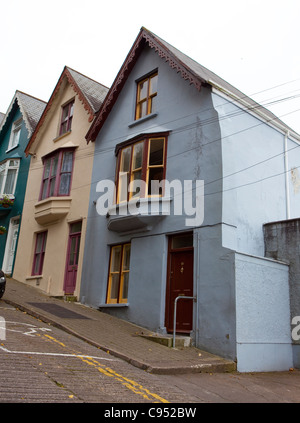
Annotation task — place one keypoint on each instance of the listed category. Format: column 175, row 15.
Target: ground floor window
column 118, row 275
column 39, row 253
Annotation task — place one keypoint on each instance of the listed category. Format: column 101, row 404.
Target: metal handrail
column 175, row 310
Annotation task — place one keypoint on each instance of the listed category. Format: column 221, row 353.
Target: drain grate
column 58, row 311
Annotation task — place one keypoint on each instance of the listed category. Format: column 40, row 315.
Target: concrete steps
column 181, row 341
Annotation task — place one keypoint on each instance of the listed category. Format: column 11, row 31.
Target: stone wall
column 282, row 242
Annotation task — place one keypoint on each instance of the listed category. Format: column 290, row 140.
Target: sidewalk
column 118, row 337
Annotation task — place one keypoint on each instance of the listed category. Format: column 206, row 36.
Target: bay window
column 143, row 160
column 57, row 175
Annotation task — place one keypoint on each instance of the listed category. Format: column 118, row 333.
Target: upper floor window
column 8, row 176
column 15, row 134
column 57, row 175
column 66, row 118
column 146, row 96
column 144, row 161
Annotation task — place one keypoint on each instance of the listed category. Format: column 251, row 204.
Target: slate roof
column 91, row 93
column 209, row 77
column 94, row 92
column 189, row 69
column 31, row 109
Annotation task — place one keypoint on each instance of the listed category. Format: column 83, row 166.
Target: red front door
column 180, row 283
column 72, row 258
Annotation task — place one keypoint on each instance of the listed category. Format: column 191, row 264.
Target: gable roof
column 31, row 109
column 93, row 91
column 189, row 70
column 90, row 93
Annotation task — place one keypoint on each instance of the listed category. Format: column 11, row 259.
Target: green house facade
column 16, row 128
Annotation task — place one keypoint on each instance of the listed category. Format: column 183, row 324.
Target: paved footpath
column 115, row 336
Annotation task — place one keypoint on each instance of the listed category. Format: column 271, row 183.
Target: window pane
column 65, row 181
column 135, row 189
column 182, row 241
column 126, row 257
column 156, row 155
column 123, row 186
column 45, row 240
column 137, row 155
column 1, row 180
column 116, row 259
column 64, row 127
column 75, row 227
column 16, row 137
column 10, row 181
column 155, row 174
column 52, row 187
column 65, row 113
column 125, row 160
column 37, row 264
column 153, row 84
column 72, row 252
column 67, row 161
column 47, row 168
column 143, row 110
column 54, row 165
column 153, row 104
column 44, row 191
column 125, row 285
column 71, row 108
column 143, row 89
column 69, row 124
column 114, row 287
column 77, row 250
column 39, row 243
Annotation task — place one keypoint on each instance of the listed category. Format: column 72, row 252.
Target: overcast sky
column 253, row 44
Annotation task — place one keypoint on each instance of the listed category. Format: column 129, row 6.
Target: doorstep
column 181, row 341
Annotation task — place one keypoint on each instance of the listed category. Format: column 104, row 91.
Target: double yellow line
column 135, row 387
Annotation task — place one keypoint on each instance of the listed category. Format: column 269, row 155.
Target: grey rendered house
column 222, row 165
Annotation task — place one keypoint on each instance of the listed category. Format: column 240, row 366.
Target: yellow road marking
column 128, row 383
column 55, row 340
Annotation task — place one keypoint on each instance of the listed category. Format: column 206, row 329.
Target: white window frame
column 13, row 223
column 15, row 134
column 6, row 166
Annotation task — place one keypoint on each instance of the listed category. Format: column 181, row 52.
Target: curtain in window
column 10, row 181
column 66, row 172
column 2, row 175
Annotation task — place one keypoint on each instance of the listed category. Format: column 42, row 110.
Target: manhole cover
column 59, row 311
